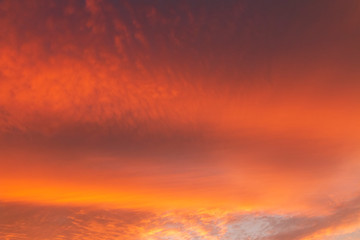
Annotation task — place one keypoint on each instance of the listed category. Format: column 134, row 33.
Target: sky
column 180, row 119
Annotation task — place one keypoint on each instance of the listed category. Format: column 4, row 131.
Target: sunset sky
column 180, row 119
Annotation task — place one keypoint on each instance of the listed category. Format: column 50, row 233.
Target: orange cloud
column 236, row 105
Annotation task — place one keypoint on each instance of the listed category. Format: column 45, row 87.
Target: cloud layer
column 237, row 105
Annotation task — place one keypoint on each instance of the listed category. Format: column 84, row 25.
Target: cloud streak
column 22, row 221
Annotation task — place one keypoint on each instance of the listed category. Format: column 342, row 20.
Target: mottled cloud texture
column 183, row 119
column 59, row 222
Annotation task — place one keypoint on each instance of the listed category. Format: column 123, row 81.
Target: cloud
column 76, row 222
column 243, row 104
column 346, row 213
column 66, row 222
